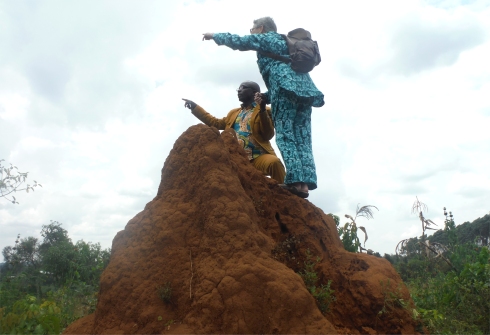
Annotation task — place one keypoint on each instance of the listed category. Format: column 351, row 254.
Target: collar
column 254, row 104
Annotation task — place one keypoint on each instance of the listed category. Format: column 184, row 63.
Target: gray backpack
column 304, row 54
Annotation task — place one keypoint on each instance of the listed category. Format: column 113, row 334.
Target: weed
column 165, row 293
column 323, row 294
column 348, row 233
column 391, row 299
column 287, row 252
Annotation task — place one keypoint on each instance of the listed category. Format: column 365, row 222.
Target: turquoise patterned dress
column 291, row 95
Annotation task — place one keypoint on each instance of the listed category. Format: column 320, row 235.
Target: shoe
column 294, row 190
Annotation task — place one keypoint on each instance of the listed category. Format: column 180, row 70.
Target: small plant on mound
column 391, row 298
column 323, row 294
column 287, row 252
column 165, row 293
column 348, row 233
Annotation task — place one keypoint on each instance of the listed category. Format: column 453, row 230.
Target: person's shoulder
column 272, row 35
column 234, row 110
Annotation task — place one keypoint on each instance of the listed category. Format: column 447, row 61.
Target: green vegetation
column 392, row 299
column 46, row 285
column 11, row 181
column 348, row 232
column 165, row 293
column 448, row 275
column 323, row 294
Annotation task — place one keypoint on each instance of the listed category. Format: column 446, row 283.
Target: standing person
column 254, row 128
column 291, row 95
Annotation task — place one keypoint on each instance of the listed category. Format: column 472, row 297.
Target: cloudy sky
column 90, row 105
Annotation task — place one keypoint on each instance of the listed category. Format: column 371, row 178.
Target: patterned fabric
column 243, row 129
column 293, row 138
column 277, row 75
column 291, row 96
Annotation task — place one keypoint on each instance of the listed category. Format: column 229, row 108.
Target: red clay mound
column 219, row 250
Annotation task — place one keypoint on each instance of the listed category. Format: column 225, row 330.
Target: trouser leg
column 302, row 135
column 270, row 165
column 292, row 122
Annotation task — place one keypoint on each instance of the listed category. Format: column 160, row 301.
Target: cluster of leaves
column 392, row 299
column 30, row 317
column 348, row 233
column 165, row 292
column 55, row 278
column 451, row 287
column 323, row 294
column 456, row 302
column 12, row 180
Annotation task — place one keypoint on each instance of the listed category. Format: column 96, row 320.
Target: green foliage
column 75, row 301
column 323, row 294
column 477, row 232
column 450, row 289
column 30, row 317
column 165, row 293
column 11, row 181
column 47, row 285
column 460, row 298
column 348, row 233
column 392, row 299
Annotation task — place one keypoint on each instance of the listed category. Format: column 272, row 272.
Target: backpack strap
column 276, row 57
column 280, row 58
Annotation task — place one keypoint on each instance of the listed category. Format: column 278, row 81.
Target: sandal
column 294, row 190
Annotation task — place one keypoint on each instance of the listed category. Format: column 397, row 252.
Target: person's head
column 246, row 91
column 263, row 25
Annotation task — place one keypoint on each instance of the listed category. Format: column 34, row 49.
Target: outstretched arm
column 258, row 42
column 204, row 116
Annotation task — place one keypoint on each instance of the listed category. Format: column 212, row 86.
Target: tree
column 12, row 180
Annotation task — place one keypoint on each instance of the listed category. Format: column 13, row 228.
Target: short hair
column 266, row 22
column 251, row 84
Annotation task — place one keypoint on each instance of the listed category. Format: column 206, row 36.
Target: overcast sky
column 90, row 105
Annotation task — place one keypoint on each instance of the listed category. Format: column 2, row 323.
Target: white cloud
column 90, row 102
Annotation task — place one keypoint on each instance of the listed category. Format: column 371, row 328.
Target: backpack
column 304, row 54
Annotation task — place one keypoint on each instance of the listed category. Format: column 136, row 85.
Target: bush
column 28, row 316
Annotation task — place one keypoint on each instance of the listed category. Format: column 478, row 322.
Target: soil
column 220, row 249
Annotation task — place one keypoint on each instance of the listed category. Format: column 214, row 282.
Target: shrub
column 323, row 294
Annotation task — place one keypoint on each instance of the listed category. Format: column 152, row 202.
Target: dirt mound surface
column 219, row 249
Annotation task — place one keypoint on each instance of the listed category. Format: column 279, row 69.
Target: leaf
column 365, row 233
column 428, row 222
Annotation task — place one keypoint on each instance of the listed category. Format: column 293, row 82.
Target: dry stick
column 192, row 275
column 439, row 254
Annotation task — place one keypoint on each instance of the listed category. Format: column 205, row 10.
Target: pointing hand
column 189, row 104
column 207, row 36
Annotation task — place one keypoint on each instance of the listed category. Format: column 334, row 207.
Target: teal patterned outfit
column 291, row 95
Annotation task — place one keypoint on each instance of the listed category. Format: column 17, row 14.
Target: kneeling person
column 254, row 128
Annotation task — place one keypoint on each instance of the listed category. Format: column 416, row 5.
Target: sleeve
column 266, row 127
column 208, row 119
column 258, row 42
